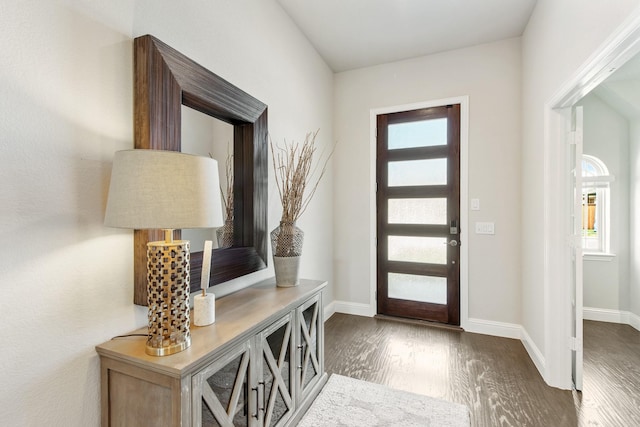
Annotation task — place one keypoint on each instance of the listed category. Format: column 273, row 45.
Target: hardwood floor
column 611, row 395
column 493, row 376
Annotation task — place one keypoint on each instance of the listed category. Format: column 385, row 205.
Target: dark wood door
column 418, row 214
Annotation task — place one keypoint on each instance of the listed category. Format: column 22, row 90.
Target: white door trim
column 622, row 45
column 464, row 196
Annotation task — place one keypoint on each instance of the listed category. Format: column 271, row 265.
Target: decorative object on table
column 224, row 234
column 293, row 166
column 152, row 189
column 286, row 243
column 204, row 305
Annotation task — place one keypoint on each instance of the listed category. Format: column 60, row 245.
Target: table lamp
column 152, row 189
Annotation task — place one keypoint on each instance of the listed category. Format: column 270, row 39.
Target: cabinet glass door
column 277, row 398
column 309, row 350
column 221, row 391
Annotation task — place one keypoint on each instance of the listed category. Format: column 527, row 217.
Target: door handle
column 453, row 243
column 301, row 348
column 257, row 390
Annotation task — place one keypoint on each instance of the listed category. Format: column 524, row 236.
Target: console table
column 260, row 364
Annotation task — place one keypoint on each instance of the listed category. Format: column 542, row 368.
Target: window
column 595, row 205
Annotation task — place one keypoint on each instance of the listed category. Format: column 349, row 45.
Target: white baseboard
column 611, row 316
column 497, row 329
column 634, row 321
column 605, row 315
column 478, row 326
column 329, row 310
column 355, row 308
column 534, row 352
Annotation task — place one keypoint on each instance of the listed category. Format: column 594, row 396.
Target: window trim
column 598, row 256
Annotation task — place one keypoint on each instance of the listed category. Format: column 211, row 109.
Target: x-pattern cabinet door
column 276, row 372
column 221, row 391
column 310, row 348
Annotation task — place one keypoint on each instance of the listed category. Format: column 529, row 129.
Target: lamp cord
column 129, row 335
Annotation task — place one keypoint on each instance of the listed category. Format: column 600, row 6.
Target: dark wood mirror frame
column 165, row 80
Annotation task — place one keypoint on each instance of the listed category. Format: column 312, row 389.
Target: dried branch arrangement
column 293, row 165
column 227, row 196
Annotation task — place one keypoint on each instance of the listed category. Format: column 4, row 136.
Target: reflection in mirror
column 204, row 135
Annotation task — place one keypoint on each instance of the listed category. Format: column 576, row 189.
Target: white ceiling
column 622, row 89
column 351, row 34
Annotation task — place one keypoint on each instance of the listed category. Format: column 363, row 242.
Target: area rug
column 354, row 403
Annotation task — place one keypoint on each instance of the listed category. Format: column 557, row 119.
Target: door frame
column 464, row 197
column 621, row 46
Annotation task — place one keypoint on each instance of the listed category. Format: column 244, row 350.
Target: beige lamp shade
column 163, row 189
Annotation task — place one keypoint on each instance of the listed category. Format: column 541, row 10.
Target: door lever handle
column 453, row 243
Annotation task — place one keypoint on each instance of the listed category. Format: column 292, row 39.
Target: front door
column 418, row 214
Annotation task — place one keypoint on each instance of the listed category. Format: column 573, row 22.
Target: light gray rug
column 350, row 402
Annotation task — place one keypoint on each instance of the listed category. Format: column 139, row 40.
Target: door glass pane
column 309, row 352
column 219, row 407
column 425, row 133
column 418, row 172
column 418, row 288
column 417, row 211
column 431, row 250
column 276, row 372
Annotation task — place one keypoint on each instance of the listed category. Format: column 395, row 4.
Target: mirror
column 206, row 136
column 166, row 81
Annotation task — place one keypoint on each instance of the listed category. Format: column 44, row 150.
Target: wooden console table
column 260, row 364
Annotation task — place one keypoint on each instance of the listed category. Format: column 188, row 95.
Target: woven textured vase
column 224, row 234
column 286, row 243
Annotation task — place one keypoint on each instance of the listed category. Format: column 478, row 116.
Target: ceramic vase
column 286, row 243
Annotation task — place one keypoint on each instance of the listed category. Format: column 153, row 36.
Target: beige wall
column 65, row 108
column 490, row 75
column 559, row 38
column 606, row 136
column 634, row 230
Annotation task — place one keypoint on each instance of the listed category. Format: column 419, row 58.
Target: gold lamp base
column 168, row 280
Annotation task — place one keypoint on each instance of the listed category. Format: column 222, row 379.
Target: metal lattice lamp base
column 168, row 279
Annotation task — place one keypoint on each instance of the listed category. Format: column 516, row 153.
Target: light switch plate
column 475, row 204
column 485, row 228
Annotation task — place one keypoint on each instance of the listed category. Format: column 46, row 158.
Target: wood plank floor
column 611, row 395
column 493, row 376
